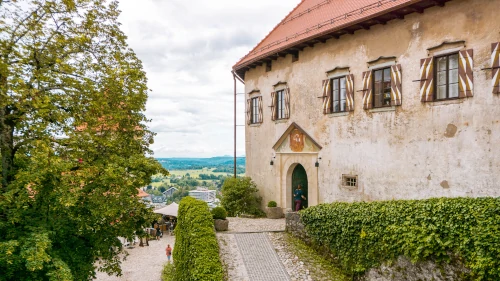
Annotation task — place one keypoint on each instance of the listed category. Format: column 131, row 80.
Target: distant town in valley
column 197, row 177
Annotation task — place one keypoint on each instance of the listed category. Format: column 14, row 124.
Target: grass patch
column 319, row 267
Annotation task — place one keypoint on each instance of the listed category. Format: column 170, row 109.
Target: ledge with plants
column 273, row 211
column 219, row 214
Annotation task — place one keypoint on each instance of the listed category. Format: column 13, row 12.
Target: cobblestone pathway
column 261, row 261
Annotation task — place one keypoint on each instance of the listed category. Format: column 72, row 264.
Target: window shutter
column 367, row 90
column 249, row 111
column 326, row 96
column 260, row 110
column 396, row 85
column 349, row 85
column 427, row 79
column 273, row 106
column 465, row 74
column 495, row 65
column 287, row 103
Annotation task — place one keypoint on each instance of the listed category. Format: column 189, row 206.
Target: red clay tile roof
column 312, row 18
column 142, row 193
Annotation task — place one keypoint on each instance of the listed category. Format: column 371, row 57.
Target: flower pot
column 221, row 225
column 274, row 212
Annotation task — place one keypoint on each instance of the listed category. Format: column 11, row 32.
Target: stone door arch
column 288, row 163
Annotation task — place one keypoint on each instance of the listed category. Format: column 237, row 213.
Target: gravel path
column 143, row 263
column 294, row 266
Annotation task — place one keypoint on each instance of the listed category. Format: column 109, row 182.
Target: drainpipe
column 235, row 76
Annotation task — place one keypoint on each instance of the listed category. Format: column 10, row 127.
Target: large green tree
column 73, row 139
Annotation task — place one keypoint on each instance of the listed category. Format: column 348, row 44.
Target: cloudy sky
column 188, row 49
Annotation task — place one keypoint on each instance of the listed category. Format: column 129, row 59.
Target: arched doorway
column 299, row 176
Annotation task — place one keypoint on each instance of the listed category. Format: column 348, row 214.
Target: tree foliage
column 239, row 196
column 73, row 139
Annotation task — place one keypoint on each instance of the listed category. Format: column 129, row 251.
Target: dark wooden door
column 299, row 176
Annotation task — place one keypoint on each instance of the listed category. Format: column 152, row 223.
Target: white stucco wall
column 401, row 154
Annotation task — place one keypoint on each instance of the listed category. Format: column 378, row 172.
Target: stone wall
column 401, row 270
column 295, row 226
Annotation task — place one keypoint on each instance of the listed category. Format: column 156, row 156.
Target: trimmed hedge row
column 364, row 235
column 196, row 252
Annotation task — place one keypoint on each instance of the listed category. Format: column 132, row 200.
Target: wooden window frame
column 254, row 110
column 435, row 62
column 332, row 80
column 280, row 107
column 373, row 85
column 348, row 179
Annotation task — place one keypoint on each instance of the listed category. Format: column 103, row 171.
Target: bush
column 168, row 272
column 272, row 204
column 196, row 252
column 219, row 213
column 364, row 235
column 239, row 197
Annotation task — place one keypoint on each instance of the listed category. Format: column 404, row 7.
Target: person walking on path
column 298, row 195
column 158, row 232
column 168, row 252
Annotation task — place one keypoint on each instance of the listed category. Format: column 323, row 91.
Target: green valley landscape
column 189, row 173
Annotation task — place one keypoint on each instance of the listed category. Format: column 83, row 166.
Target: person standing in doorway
column 169, row 252
column 298, row 196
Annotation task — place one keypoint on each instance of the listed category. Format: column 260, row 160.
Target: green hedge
column 196, row 252
column 363, row 235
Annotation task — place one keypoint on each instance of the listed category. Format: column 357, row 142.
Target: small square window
column 349, row 181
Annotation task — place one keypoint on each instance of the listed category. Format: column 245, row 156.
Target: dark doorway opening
column 299, row 176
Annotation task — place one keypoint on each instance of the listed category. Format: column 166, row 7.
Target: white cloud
column 188, row 49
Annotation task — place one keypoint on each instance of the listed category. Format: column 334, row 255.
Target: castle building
column 363, row 100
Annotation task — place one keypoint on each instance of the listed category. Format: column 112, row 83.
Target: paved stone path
column 260, row 258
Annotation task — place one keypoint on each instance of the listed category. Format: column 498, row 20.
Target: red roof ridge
column 317, row 6
column 288, row 33
column 296, row 7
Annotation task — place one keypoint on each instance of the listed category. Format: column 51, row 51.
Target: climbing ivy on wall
column 364, row 235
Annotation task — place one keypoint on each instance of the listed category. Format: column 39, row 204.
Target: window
column 349, row 181
column 382, row 87
column 446, row 77
column 338, row 92
column 255, row 110
column 280, row 105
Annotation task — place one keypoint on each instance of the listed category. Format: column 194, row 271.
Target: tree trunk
column 6, row 148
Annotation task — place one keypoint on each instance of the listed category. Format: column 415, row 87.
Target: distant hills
column 221, row 164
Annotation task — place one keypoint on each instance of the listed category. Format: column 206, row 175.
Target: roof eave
column 238, row 67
